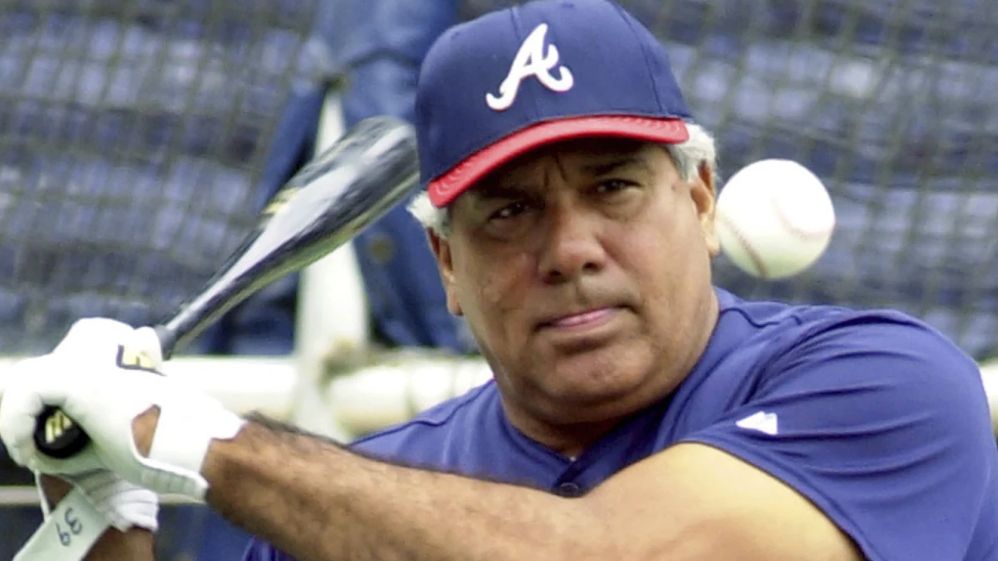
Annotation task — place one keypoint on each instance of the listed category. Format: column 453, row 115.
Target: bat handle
column 58, row 436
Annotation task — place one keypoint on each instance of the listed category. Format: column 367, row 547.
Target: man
column 637, row 412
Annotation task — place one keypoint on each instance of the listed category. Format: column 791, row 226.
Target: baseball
column 774, row 218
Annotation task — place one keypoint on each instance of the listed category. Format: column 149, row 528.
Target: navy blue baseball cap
column 510, row 81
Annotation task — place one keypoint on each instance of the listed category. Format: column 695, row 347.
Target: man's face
column 583, row 270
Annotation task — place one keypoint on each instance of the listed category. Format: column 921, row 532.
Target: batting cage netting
column 138, row 141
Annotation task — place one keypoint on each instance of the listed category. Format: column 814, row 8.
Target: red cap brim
column 445, row 188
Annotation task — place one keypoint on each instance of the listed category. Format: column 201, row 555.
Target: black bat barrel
column 327, row 203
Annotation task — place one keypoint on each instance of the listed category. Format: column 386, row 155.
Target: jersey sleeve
column 259, row 550
column 883, row 425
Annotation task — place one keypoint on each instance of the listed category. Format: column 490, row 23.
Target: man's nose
column 572, row 246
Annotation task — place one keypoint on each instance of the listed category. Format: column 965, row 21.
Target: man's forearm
column 317, row 501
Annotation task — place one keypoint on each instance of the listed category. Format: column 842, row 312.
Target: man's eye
column 509, row 211
column 608, row 186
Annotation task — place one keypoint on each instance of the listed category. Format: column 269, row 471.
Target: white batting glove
column 123, row 504
column 96, row 377
column 19, row 408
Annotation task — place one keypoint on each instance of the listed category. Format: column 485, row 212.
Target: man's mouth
column 587, row 318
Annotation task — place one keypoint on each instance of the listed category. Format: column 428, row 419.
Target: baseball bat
column 350, row 185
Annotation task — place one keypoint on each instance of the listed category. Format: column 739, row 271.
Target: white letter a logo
column 531, row 60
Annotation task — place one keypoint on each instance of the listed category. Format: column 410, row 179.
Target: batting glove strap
column 181, row 443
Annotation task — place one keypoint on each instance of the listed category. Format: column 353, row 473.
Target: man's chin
column 593, row 394
column 612, row 367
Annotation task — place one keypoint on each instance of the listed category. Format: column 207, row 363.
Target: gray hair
column 688, row 156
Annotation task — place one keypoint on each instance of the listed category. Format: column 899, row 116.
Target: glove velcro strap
column 180, row 445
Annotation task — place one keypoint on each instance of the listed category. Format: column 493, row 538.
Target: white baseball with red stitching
column 774, row 218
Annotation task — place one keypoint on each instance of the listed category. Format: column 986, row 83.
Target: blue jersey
column 873, row 416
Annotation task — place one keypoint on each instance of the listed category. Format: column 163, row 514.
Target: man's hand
column 101, row 499
column 77, row 529
column 124, row 504
column 102, row 376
